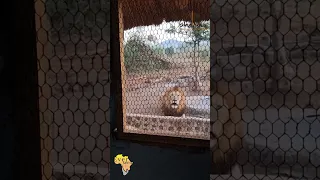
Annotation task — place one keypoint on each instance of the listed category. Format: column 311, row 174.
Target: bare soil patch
column 143, row 91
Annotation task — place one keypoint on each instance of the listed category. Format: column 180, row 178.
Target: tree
column 158, row 50
column 140, row 57
column 169, row 51
column 152, row 38
column 204, row 53
column 198, row 32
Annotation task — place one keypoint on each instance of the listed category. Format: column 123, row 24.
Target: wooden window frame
column 27, row 164
column 117, row 93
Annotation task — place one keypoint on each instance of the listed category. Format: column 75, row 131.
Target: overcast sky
column 158, row 31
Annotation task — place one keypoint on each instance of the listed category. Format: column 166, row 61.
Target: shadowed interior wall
column 7, row 129
column 74, row 85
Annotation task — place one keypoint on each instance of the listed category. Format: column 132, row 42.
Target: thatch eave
column 154, row 12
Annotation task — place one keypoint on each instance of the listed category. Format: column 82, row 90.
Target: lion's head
column 173, row 102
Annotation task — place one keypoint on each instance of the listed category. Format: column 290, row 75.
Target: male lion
column 173, row 102
column 226, row 133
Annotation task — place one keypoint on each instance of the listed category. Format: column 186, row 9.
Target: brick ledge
column 184, row 127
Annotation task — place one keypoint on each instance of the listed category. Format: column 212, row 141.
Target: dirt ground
column 143, row 91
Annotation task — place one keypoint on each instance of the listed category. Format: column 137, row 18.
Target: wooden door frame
column 26, row 114
column 117, row 77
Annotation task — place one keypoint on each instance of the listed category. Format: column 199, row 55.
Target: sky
column 157, row 31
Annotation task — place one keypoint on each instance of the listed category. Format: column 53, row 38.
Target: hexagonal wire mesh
column 165, row 67
column 264, row 59
column 73, row 69
column 277, row 93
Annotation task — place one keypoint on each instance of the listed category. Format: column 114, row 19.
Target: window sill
column 183, row 127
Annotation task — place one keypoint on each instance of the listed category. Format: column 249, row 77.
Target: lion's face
column 173, row 102
column 175, row 99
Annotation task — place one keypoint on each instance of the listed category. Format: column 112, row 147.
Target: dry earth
column 143, row 92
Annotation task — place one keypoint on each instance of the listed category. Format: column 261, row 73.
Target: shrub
column 169, row 51
column 139, row 57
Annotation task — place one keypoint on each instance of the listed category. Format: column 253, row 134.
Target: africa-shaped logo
column 125, row 163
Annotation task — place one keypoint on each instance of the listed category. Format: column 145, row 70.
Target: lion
column 226, row 134
column 173, row 102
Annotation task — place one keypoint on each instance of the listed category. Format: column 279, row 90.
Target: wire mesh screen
column 165, row 67
column 265, row 89
column 73, row 69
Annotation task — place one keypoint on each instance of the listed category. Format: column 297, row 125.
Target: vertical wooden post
column 20, row 85
column 123, row 69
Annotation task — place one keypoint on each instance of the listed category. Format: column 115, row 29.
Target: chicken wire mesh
column 264, row 63
column 73, row 68
column 165, row 68
column 265, row 88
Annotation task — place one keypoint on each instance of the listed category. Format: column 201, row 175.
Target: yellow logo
column 125, row 163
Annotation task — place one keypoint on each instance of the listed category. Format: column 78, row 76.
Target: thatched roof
column 149, row 12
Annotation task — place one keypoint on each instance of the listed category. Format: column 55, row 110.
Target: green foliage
column 139, row 57
column 204, row 53
column 169, row 51
column 199, row 32
column 158, row 51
